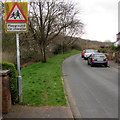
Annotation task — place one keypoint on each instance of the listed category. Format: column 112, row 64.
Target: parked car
column 87, row 53
column 98, row 58
column 82, row 53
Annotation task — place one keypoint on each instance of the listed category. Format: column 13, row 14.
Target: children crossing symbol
column 15, row 15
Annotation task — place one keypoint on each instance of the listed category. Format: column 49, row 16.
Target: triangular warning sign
column 16, row 14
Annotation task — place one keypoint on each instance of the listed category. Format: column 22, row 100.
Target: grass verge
column 42, row 84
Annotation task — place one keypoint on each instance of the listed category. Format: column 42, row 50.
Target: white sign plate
column 11, row 27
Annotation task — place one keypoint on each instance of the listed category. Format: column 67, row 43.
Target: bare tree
column 69, row 35
column 49, row 19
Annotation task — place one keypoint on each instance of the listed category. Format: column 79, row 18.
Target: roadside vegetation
column 42, row 84
column 48, row 35
column 112, row 52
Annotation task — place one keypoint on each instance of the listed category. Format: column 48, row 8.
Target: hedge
column 13, row 80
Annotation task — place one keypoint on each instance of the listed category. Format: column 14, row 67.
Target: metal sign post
column 18, row 68
column 16, row 21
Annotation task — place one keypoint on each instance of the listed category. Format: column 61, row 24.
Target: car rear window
column 88, row 51
column 99, row 55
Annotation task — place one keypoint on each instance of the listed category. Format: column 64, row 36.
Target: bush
column 115, row 48
column 76, row 47
column 13, row 80
column 104, row 50
column 59, row 49
column 64, row 48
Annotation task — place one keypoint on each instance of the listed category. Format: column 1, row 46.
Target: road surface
column 94, row 89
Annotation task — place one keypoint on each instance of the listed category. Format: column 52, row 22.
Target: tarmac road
column 94, row 89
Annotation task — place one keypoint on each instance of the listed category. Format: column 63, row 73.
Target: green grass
column 42, row 84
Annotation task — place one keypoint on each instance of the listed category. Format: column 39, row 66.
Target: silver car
column 87, row 53
column 98, row 58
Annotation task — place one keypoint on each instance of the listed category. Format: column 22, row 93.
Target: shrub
column 104, row 50
column 64, row 48
column 76, row 47
column 116, row 48
column 58, row 49
column 13, row 80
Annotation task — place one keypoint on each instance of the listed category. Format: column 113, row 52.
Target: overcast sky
column 100, row 18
